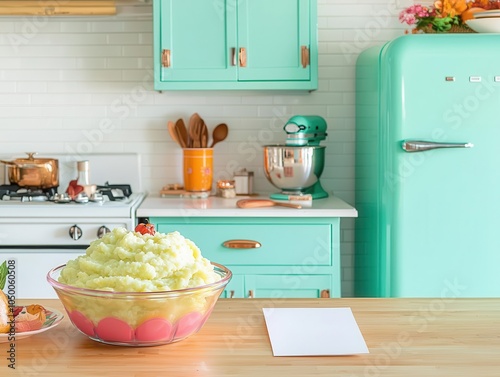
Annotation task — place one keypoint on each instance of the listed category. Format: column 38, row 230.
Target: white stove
column 41, row 234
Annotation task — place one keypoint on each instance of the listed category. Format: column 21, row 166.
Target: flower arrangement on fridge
column 444, row 16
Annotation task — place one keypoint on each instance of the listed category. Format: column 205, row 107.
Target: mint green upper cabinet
column 195, row 40
column 235, row 44
column 273, row 34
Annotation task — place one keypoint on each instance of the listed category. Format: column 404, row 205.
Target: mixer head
column 305, row 130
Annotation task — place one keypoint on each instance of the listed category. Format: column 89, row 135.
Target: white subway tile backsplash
column 138, row 26
column 30, row 27
column 107, row 27
column 71, row 39
column 86, row 75
column 14, row 99
column 122, row 63
column 85, row 63
column 29, row 87
column 41, row 63
column 60, row 99
column 123, row 39
column 139, row 51
column 45, row 75
column 64, row 80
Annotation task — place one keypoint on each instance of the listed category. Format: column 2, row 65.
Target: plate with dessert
column 21, row 322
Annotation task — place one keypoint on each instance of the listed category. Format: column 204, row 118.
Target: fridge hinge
column 305, row 56
column 165, row 58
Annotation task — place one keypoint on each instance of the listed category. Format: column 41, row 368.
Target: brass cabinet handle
column 241, row 244
column 250, row 293
column 165, row 58
column 305, row 56
column 325, row 293
column 233, row 56
column 243, row 57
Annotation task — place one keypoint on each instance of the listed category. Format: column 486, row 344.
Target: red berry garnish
column 145, row 229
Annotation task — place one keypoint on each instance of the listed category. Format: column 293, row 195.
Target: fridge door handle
column 420, row 145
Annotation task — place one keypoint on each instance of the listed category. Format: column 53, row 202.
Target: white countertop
column 156, row 206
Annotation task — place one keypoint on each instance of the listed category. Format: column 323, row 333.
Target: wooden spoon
column 192, row 129
column 204, row 135
column 195, row 123
column 199, row 132
column 172, row 132
column 182, row 132
column 219, row 133
column 257, row 203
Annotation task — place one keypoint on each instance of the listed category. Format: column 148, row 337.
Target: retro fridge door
column 441, row 206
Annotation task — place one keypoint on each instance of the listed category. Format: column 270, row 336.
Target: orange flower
column 451, row 8
column 30, row 318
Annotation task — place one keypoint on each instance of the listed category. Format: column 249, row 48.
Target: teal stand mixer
column 296, row 166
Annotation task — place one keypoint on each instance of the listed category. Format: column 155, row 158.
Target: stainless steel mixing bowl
column 293, row 168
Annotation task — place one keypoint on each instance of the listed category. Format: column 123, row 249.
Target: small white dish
column 487, row 13
column 53, row 318
column 485, row 25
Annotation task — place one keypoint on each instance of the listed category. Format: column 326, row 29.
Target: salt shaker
column 243, row 182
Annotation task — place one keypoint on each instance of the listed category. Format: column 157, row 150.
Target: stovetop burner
column 113, row 192
column 116, row 191
column 17, row 193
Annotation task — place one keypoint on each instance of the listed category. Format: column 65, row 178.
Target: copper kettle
column 41, row 173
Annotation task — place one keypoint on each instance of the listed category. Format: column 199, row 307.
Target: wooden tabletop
column 406, row 337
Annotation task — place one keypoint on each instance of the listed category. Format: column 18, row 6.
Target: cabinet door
column 273, row 33
column 198, row 36
column 235, row 288
column 287, row 286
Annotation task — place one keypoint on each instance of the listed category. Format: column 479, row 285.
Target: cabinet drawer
column 285, row 245
column 287, row 286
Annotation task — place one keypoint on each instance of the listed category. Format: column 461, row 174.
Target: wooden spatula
column 257, row 203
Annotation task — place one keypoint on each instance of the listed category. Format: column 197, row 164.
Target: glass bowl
column 139, row 318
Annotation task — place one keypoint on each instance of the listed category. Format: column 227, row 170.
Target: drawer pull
column 165, row 58
column 250, row 294
column 325, row 293
column 241, row 244
column 231, row 294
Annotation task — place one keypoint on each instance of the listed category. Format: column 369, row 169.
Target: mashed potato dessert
column 139, row 262
column 125, row 261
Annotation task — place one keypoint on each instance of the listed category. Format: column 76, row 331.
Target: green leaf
column 3, row 274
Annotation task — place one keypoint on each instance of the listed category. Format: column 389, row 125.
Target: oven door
column 35, row 246
column 30, row 267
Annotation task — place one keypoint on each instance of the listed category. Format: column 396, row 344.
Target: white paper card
column 313, row 332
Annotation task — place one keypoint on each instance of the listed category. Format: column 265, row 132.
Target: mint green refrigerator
column 428, row 167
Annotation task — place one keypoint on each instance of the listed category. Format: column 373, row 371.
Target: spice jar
column 243, row 182
column 225, row 189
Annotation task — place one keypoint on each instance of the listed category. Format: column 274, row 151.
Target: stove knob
column 75, row 232
column 102, row 231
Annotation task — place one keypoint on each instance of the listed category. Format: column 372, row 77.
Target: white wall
column 76, row 85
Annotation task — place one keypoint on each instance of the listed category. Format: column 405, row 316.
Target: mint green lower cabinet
column 269, row 257
column 235, row 288
column 287, row 286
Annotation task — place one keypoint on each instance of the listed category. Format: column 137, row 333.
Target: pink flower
column 407, row 18
column 411, row 14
